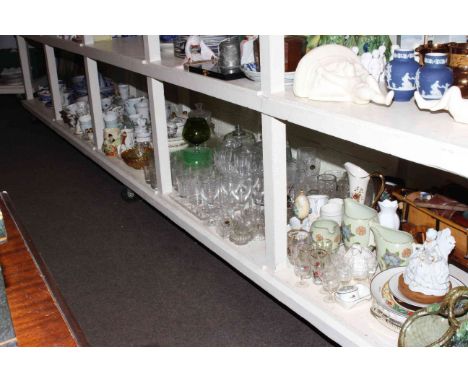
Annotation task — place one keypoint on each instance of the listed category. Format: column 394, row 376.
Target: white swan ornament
column 451, row 101
column 335, row 73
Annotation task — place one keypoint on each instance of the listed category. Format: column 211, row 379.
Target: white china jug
column 358, row 181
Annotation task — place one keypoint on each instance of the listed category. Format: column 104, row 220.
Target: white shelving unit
column 400, row 130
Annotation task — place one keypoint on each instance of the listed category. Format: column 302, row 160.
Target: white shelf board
column 128, row 53
column 356, row 327
column 402, row 130
column 11, row 89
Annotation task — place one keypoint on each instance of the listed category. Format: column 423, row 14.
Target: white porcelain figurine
column 335, row 73
column 197, row 50
column 451, row 101
column 427, row 271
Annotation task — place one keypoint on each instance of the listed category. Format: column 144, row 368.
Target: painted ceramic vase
column 323, row 229
column 355, row 228
column 393, row 247
column 401, row 74
column 435, row 77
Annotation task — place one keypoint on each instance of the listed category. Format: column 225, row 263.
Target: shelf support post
column 152, row 48
column 25, row 67
column 159, row 128
column 53, row 81
column 272, row 64
column 94, row 97
column 274, row 173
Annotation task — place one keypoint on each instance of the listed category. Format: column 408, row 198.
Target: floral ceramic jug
column 358, row 182
column 356, row 223
column 393, row 247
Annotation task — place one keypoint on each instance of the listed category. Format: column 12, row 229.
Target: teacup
column 324, row 229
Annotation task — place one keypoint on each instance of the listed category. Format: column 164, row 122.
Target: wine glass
column 330, row 282
column 209, row 192
column 296, row 239
column 302, row 268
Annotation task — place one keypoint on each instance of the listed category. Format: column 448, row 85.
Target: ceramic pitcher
column 324, row 229
column 358, row 181
column 393, row 247
column 356, row 223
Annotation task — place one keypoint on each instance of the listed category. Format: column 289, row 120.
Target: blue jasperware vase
column 435, row 77
column 401, row 74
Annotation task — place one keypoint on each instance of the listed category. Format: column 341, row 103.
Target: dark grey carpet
column 129, row 275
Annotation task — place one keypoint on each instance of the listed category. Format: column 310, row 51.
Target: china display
column 435, row 77
column 401, row 74
column 459, row 64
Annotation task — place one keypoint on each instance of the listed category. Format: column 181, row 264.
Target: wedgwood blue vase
column 435, row 77
column 401, row 74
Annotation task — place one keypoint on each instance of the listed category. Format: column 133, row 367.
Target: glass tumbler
column 308, row 160
column 327, row 185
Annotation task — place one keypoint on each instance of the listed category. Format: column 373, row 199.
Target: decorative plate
column 384, row 299
column 393, row 284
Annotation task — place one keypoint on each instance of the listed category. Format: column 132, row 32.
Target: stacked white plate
column 252, row 74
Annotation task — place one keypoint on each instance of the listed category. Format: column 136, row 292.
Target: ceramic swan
column 335, row 73
column 451, row 101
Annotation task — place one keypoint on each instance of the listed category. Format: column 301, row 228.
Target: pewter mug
column 229, row 53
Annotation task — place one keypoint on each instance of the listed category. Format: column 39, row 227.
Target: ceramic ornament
column 335, row 73
column 301, row 206
column 451, row 101
column 427, row 271
column 197, row 50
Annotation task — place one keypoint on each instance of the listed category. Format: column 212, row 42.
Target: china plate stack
column 389, row 306
column 250, row 71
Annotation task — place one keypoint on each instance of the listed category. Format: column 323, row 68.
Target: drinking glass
column 209, row 193
column 321, row 251
column 330, row 282
column 302, row 268
column 342, row 183
column 241, row 233
column 258, row 190
column 241, row 191
column 296, row 239
column 327, row 185
column 371, row 267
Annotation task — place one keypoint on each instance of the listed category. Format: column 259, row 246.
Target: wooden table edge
column 70, row 320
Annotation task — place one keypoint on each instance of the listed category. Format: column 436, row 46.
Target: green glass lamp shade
column 196, row 130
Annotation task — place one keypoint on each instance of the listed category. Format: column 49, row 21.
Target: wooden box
column 423, row 217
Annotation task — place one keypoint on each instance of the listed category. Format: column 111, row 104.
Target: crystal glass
column 196, row 129
column 371, row 267
column 321, row 251
column 330, row 282
column 296, row 239
column 224, row 226
column 327, row 185
column 209, row 193
column 258, row 190
column 302, row 268
column 238, row 138
column 241, row 233
column 342, row 183
column 241, row 191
